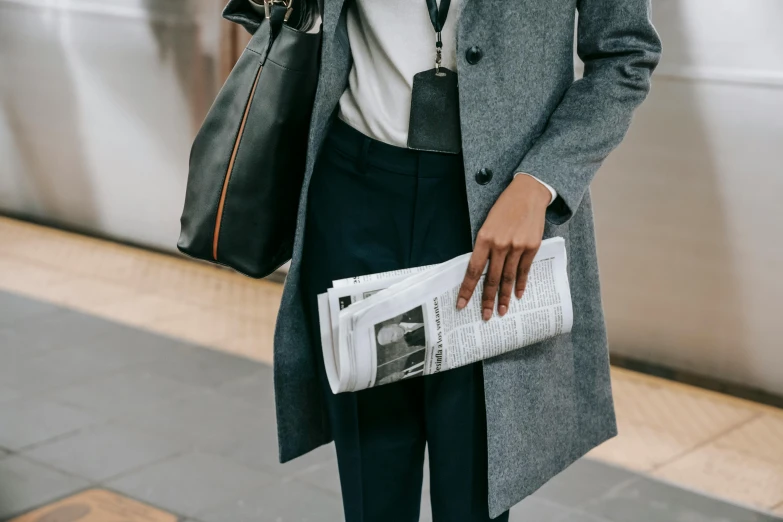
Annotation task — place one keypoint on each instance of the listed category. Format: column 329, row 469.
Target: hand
column 510, row 238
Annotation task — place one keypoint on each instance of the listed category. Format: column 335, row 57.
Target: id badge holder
column 434, row 118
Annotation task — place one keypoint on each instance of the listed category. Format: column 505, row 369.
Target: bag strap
column 276, row 13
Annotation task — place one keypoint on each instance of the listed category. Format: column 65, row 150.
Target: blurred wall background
column 687, row 209
column 99, row 100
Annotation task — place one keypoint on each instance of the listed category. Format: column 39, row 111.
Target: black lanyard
column 434, row 120
column 438, row 19
column 438, row 16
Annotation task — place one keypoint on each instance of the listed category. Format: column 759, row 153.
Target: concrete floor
column 700, row 440
column 87, row 403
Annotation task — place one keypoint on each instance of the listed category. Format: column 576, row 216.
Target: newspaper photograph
column 401, row 344
column 386, row 327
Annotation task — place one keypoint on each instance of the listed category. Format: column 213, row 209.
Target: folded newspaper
column 381, row 328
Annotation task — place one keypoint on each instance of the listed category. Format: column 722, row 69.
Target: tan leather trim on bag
column 222, row 202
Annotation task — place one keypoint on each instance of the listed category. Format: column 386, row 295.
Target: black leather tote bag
column 247, row 161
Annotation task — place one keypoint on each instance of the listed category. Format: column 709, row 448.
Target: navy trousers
column 373, row 207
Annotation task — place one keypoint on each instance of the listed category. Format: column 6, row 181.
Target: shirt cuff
column 548, row 187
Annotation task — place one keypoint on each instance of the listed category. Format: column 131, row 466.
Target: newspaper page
column 412, row 327
column 387, row 277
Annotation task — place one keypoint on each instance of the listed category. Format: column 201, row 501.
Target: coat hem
column 499, row 506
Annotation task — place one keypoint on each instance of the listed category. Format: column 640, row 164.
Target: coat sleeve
column 620, row 49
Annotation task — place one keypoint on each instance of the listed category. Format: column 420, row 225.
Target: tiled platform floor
column 88, row 403
column 704, row 441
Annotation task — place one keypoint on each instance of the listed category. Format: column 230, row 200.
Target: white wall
column 688, row 209
column 99, row 102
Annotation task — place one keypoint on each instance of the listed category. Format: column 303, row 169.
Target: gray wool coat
column 521, row 111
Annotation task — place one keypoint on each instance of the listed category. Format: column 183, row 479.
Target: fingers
column 497, row 260
column 524, row 269
column 472, row 275
column 509, row 266
column 509, row 277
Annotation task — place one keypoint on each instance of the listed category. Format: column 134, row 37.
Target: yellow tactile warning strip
column 727, row 447
column 724, row 446
column 97, row 505
column 177, row 297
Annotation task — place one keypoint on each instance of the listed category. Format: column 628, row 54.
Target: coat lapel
column 332, row 10
column 332, row 80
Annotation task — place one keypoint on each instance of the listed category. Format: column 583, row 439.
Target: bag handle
column 304, row 11
column 276, row 13
column 269, row 4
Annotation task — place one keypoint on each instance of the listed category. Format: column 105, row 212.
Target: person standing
column 441, row 128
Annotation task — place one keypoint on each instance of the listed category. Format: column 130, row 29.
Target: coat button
column 483, row 176
column 473, row 55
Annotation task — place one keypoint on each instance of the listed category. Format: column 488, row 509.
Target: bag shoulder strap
column 277, row 14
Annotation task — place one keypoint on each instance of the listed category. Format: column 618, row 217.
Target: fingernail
column 461, row 302
column 502, row 309
column 487, row 314
column 518, row 293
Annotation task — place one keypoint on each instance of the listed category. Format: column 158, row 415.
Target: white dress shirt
column 391, row 41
